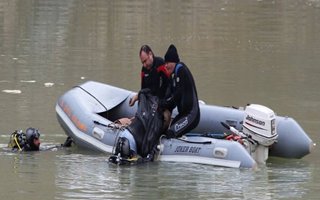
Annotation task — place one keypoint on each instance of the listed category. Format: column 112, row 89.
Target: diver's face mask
column 36, row 141
column 33, row 138
column 36, row 135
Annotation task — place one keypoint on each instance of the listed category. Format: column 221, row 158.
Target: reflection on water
column 85, row 176
column 289, row 181
column 26, row 175
column 239, row 52
column 83, row 179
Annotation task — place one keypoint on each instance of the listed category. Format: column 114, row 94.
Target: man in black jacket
column 153, row 74
column 183, row 95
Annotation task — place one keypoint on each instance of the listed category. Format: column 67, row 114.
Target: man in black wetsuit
column 183, row 96
column 29, row 141
column 153, row 74
column 150, row 121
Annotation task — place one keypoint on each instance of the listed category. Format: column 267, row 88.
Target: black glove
column 170, row 134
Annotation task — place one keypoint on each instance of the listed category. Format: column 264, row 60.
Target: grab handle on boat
column 194, row 142
column 99, row 123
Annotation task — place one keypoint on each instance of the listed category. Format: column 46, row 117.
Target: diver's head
column 33, row 139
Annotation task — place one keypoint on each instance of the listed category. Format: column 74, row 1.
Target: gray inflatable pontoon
column 87, row 113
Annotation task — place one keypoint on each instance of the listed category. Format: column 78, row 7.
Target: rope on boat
column 112, row 125
column 115, row 126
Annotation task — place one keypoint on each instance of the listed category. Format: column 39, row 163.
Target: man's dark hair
column 145, row 48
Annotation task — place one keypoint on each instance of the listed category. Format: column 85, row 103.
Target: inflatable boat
column 87, row 113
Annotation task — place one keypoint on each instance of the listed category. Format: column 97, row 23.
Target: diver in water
column 30, row 141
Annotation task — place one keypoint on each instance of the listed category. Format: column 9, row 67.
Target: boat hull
column 86, row 113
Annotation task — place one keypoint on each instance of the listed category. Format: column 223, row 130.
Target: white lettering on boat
column 180, row 126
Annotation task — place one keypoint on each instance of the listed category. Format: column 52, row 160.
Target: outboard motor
column 260, row 127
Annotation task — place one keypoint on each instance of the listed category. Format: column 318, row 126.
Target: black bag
column 146, row 128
